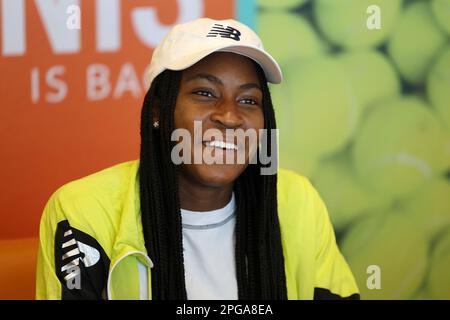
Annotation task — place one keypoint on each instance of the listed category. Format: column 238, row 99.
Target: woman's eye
column 249, row 101
column 204, row 93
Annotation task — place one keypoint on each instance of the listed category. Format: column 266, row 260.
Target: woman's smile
column 221, row 145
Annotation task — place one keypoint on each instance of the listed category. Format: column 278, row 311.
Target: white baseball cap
column 186, row 44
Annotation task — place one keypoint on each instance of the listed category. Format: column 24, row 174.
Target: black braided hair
column 259, row 256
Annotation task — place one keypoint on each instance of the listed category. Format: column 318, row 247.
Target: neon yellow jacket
column 92, row 246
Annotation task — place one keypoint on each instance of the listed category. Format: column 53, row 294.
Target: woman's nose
column 227, row 114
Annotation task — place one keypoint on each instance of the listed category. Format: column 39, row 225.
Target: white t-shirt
column 209, row 261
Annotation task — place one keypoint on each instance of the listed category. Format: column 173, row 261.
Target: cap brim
column 268, row 64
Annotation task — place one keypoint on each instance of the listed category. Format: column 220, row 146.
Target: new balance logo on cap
column 228, row 32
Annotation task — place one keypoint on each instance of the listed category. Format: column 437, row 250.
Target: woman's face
column 220, row 92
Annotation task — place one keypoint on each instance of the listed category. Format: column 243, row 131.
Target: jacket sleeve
column 71, row 264
column 48, row 286
column 333, row 279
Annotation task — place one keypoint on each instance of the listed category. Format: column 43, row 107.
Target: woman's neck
column 197, row 197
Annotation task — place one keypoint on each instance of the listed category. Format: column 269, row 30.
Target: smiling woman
column 161, row 229
column 221, row 97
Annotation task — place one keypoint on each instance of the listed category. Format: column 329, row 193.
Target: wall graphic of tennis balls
column 398, row 147
column 441, row 11
column 431, row 205
column 415, row 41
column 344, row 195
column 344, row 22
column 439, row 275
column 298, row 161
column 289, row 157
column 438, row 84
column 371, row 75
column 324, row 108
column 382, row 164
column 282, row 105
column 394, row 242
column 446, row 150
column 281, row 4
column 292, row 38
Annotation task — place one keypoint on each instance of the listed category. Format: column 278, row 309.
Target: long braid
column 160, row 208
column 276, row 288
column 258, row 251
column 240, row 248
column 172, row 213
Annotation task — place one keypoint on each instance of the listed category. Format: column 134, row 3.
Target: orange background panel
column 45, row 145
column 18, row 268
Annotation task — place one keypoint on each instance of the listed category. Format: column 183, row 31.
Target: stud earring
column 156, row 124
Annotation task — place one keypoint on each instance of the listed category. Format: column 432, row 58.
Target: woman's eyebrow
column 211, row 78
column 250, row 86
column 205, row 76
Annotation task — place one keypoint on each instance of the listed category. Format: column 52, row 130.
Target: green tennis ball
column 441, row 11
column 439, row 276
column 431, row 204
column 298, row 162
column 415, row 42
column 371, row 75
column 345, row 22
column 393, row 242
column 282, row 105
column 438, row 84
column 398, row 147
column 289, row 157
column 281, row 4
column 345, row 197
column 288, row 36
column 324, row 111
column 446, row 151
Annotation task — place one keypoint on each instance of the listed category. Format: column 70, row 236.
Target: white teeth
column 221, row 144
